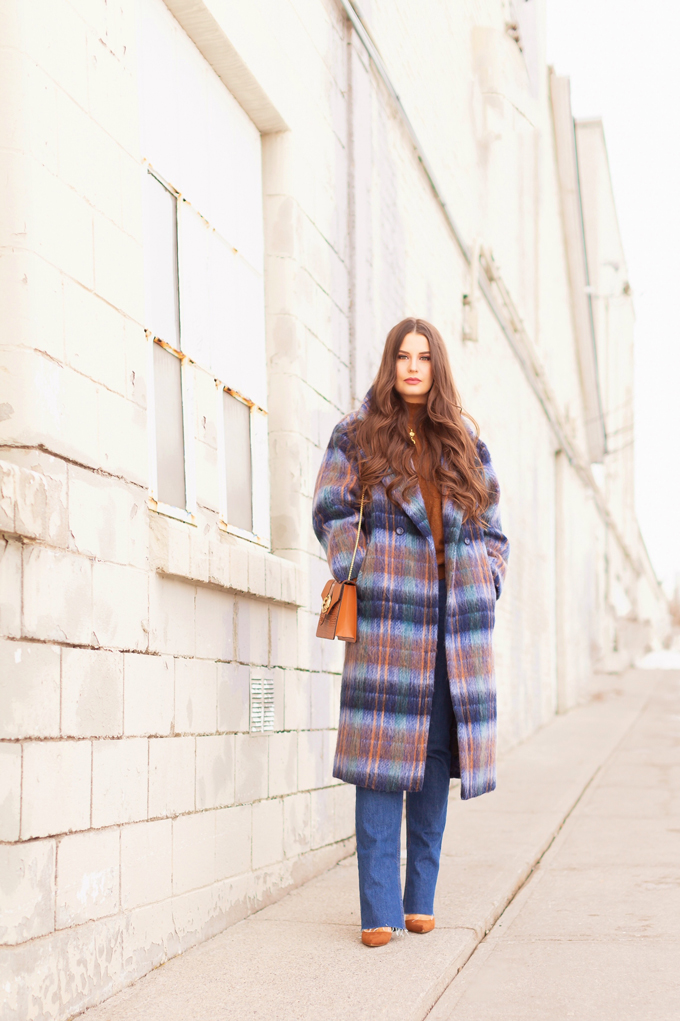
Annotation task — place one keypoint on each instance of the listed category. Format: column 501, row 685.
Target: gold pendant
column 413, row 436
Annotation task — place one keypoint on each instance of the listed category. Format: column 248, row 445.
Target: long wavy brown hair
column 449, row 454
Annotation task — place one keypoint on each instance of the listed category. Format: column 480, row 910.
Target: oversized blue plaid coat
column 388, row 677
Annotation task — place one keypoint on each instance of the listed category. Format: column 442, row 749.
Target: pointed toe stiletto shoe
column 376, row 937
column 419, row 923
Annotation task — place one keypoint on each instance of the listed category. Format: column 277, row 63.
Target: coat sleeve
column 335, row 513
column 497, row 545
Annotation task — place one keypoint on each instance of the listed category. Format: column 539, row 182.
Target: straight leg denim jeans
column 378, row 820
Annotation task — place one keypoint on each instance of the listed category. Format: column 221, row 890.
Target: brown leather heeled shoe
column 419, row 923
column 376, row 937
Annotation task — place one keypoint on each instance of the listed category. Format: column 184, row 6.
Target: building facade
column 212, row 214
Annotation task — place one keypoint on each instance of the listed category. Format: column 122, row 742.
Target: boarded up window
column 161, row 292
column 167, row 371
column 238, row 463
column 204, row 265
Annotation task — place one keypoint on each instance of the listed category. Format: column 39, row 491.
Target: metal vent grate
column 261, row 704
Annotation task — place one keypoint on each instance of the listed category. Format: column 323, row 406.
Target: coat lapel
column 452, row 517
column 413, row 505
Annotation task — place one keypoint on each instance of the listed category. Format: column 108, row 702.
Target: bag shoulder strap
column 356, row 544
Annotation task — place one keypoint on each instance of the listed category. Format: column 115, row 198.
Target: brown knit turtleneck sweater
column 431, row 494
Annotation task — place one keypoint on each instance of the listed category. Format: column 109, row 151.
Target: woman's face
column 414, row 368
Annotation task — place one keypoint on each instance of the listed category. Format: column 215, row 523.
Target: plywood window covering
column 162, row 321
column 161, row 285
column 238, row 462
column 206, row 290
column 169, row 423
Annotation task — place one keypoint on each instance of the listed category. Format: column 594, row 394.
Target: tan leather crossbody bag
column 338, row 617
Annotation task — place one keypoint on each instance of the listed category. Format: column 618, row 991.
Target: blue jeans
column 378, row 821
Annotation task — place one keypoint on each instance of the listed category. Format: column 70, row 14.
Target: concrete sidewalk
column 302, row 958
column 595, row 933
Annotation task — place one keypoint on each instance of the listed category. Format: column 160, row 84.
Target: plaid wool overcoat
column 388, row 676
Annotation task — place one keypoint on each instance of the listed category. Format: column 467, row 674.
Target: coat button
column 400, row 530
column 466, row 541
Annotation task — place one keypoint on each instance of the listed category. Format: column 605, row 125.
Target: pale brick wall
column 138, row 813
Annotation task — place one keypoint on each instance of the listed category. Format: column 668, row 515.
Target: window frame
column 259, row 469
column 259, row 439
column 188, row 512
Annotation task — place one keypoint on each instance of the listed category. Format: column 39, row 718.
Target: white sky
column 622, row 58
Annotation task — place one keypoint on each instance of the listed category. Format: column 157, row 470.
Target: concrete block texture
column 252, row 632
column 214, row 624
column 267, row 832
column 233, row 841
column 10, row 588
column 66, row 66
column 311, row 768
column 88, row 960
column 88, row 877
column 145, row 863
column 107, row 519
column 172, row 608
column 91, row 693
column 121, row 606
column 31, row 289
column 283, row 764
column 344, row 804
column 33, row 505
column 322, row 816
column 172, row 776
column 29, row 690
column 10, row 790
column 118, row 268
column 193, row 851
column 251, row 753
column 27, row 883
column 85, row 313
column 149, row 695
column 55, row 787
column 149, row 937
column 8, row 496
column 57, row 596
column 214, row 771
column 40, row 510
column 121, row 432
column 233, row 697
column 195, row 696
column 120, row 781
column 297, row 700
column 323, row 701
column 297, row 834
column 283, row 636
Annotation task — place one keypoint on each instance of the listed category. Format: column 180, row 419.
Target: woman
column 418, row 702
